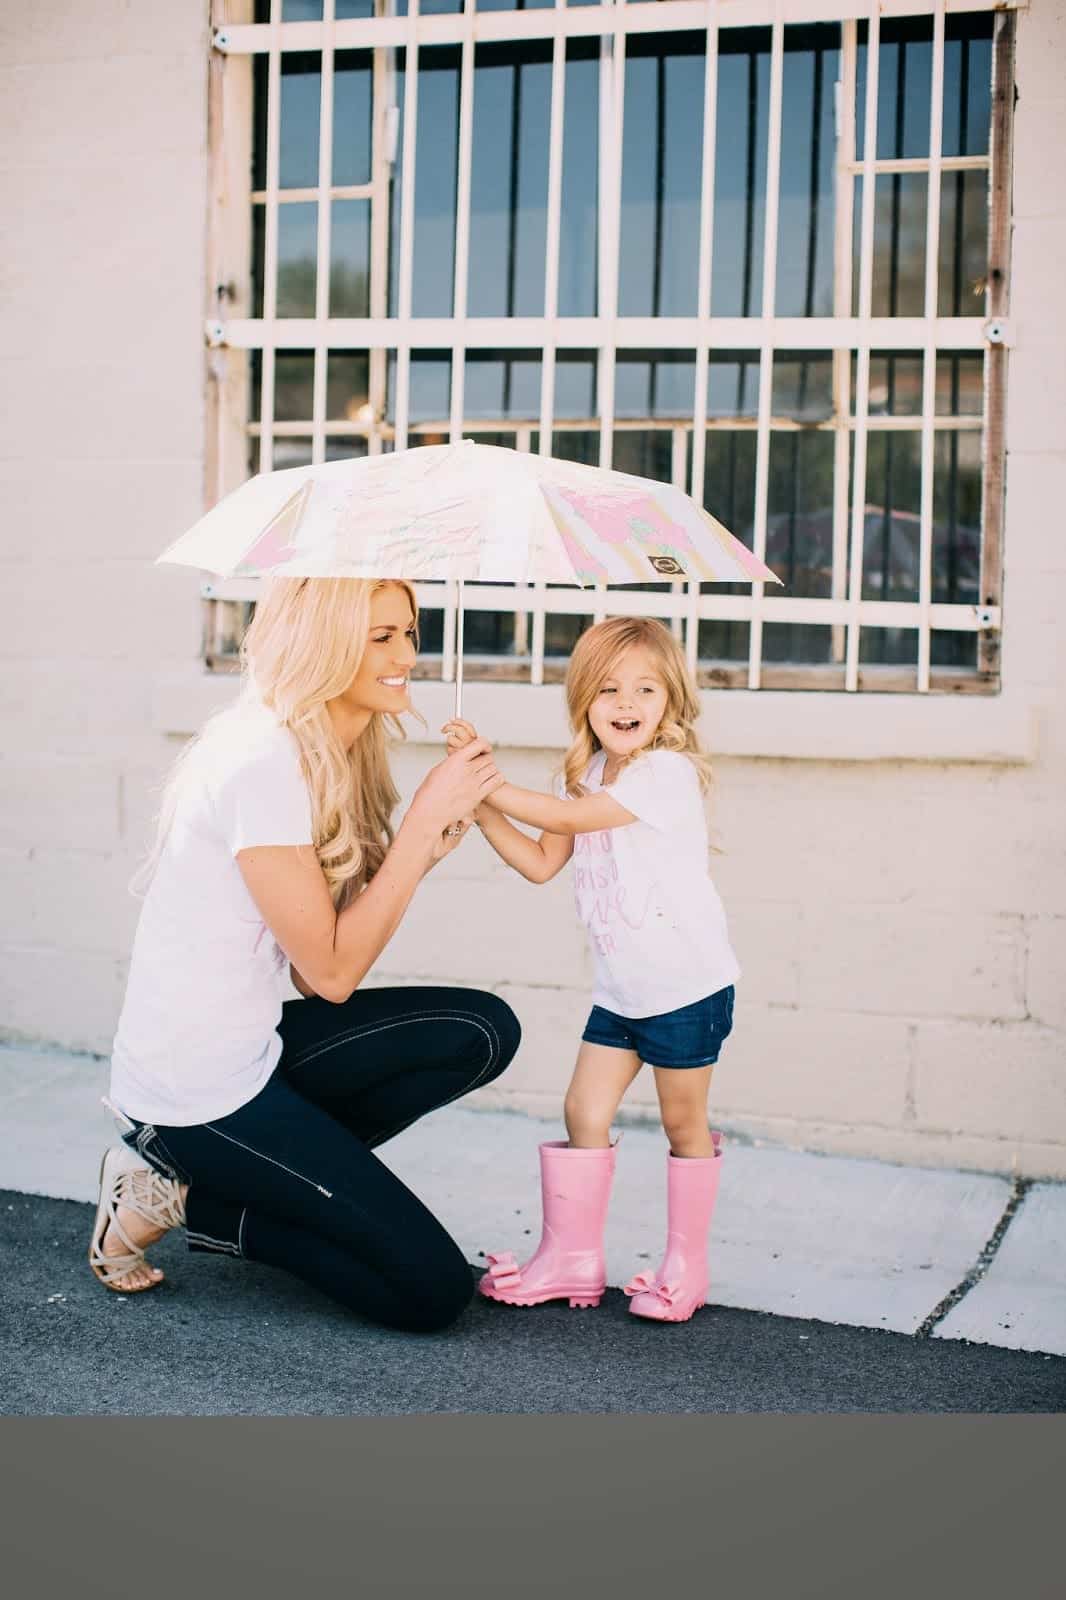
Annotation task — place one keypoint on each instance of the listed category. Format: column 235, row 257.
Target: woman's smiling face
column 382, row 682
column 629, row 705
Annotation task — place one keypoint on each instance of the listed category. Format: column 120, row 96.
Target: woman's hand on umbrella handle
column 456, row 786
column 458, row 734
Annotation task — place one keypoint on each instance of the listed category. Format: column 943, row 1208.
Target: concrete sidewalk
column 951, row 1254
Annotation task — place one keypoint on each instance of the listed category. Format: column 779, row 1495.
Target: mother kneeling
column 249, row 1121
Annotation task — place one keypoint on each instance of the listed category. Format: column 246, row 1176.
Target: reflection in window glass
column 802, row 385
column 958, row 650
column 898, row 244
column 509, row 179
column 294, row 376
column 297, row 258
column 967, row 88
column 647, row 453
column 740, row 171
column 351, row 445
column 431, row 384
column 502, row 385
column 258, row 258
column 892, row 549
column 396, row 186
column 806, row 210
column 291, row 453
column 514, row 5
column 957, row 517
column 654, row 384
column 355, row 10
column 962, row 260
column 729, row 495
column 889, row 647
column 301, row 93
column 349, row 269
column 804, row 642
column 895, row 383
column 960, row 379
column 799, row 513
column 727, row 642
column 436, row 157
column 301, row 11
column 662, row 142
column 733, row 383
column 578, row 224
column 347, row 385
column 575, row 400
column 904, row 88
column 352, row 125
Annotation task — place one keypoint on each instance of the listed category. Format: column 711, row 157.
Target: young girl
column 630, row 811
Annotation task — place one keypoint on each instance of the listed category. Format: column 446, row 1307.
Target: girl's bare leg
column 601, row 1078
column 683, row 1094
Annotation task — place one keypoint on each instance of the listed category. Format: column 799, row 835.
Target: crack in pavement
column 1019, row 1189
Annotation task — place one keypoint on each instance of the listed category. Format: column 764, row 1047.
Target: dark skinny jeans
column 289, row 1178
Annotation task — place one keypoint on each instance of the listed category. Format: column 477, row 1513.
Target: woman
column 249, row 1121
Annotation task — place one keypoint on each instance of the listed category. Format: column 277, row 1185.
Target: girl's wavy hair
column 303, row 648
column 595, row 658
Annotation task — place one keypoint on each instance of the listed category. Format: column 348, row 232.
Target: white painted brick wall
column 902, row 925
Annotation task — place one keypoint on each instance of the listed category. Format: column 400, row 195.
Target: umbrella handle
column 459, row 650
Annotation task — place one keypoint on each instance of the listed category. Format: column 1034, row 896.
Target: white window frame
column 232, row 332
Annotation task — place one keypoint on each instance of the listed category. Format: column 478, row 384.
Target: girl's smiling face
column 629, row 705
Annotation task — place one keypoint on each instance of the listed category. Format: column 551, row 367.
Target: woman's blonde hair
column 303, row 648
column 595, row 658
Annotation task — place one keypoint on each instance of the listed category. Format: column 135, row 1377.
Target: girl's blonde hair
column 303, row 648
column 594, row 659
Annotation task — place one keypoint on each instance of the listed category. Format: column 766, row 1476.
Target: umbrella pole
column 459, row 650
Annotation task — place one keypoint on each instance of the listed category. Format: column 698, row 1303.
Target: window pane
column 895, row 383
column 352, row 122
column 258, row 258
column 294, row 373
column 806, row 212
column 898, row 244
column 967, row 89
column 291, row 453
column 740, row 171
column 662, row 144
column 659, row 384
column 301, row 93
column 301, row 10
column 960, row 384
column 514, row 5
column 509, row 179
column 435, row 181
column 575, row 400
column 345, row 448
column 798, row 642
column 396, row 187
column 297, row 258
column 347, row 385
column 957, row 517
column 349, row 10
column 502, row 385
column 578, row 228
column 430, row 394
column 904, row 88
column 963, row 255
column 889, row 647
column 958, row 650
column 802, row 385
column 799, row 513
column 733, row 383
column 892, row 547
column 349, row 269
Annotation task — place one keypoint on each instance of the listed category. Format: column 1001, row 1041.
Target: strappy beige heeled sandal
column 125, row 1180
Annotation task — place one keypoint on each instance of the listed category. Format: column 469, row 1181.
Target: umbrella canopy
column 465, row 512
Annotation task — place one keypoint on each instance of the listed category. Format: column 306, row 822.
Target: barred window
column 766, row 262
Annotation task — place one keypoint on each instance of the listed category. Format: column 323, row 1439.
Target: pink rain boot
column 568, row 1263
column 680, row 1285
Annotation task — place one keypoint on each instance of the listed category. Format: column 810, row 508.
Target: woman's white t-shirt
column 198, row 1032
column 644, row 892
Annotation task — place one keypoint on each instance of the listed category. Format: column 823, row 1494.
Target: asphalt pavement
column 230, row 1338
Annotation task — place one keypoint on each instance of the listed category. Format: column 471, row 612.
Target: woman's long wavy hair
column 303, row 648
column 595, row 657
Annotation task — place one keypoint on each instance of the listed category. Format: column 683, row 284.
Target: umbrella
column 464, row 512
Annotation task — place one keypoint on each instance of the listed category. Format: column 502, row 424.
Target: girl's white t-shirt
column 197, row 1037
column 644, row 892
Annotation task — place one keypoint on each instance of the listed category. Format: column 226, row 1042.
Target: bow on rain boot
column 680, row 1285
column 568, row 1264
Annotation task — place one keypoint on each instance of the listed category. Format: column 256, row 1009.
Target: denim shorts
column 692, row 1036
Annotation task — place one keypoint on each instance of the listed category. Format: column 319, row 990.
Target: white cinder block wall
column 901, row 922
